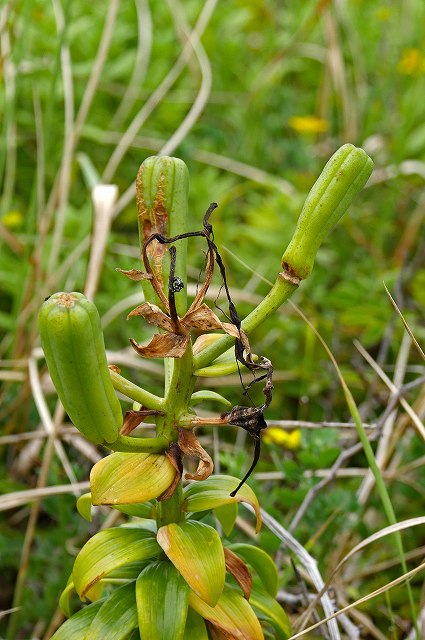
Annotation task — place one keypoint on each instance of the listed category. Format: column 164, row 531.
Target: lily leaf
column 64, row 603
column 108, row 550
column 75, row 628
column 84, row 505
column 162, row 600
column 145, row 510
column 125, row 478
column 262, row 564
column 195, row 626
column 215, row 492
column 116, row 617
column 195, row 549
column 226, row 515
column 205, row 394
column 269, row 609
column 232, row 614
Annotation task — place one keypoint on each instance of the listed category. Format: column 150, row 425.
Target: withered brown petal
column 231, row 329
column 153, row 315
column 238, row 569
column 162, row 345
column 202, row 318
column 135, row 274
column 133, row 418
column 189, row 445
column 174, row 456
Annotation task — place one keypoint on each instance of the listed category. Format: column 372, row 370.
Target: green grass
column 357, row 68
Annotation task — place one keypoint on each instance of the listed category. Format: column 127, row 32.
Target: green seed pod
column 72, row 340
column 344, row 175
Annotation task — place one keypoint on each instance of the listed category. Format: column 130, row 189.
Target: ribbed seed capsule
column 344, row 175
column 72, row 340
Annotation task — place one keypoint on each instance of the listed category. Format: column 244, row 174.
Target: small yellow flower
column 412, row 62
column 288, row 439
column 308, row 124
column 12, row 219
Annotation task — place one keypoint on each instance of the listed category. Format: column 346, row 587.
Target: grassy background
column 276, row 89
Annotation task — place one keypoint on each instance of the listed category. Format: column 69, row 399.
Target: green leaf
column 108, row 550
column 215, row 492
column 126, row 478
column 162, row 600
column 195, row 626
column 116, row 617
column 226, row 515
column 195, row 549
column 224, row 365
column 269, row 609
column 64, row 603
column 84, row 505
column 75, row 628
column 262, row 564
column 200, row 396
column 232, row 615
column 145, row 510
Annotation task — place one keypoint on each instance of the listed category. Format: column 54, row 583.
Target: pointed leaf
column 195, row 549
column 153, row 315
column 232, row 614
column 215, row 492
column 116, row 617
column 199, row 396
column 269, row 609
column 126, row 478
column 226, row 515
column 162, row 345
column 204, row 341
column 108, row 550
column 195, row 626
column 75, row 628
column 262, row 564
column 64, row 600
column 162, row 601
column 84, row 505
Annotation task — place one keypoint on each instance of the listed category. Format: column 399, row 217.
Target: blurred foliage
column 290, row 83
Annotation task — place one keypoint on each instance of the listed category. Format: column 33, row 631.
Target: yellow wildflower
column 288, row 439
column 12, row 219
column 412, row 62
column 308, row 124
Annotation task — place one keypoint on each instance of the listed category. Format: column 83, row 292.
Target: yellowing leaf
column 215, row 491
column 108, row 550
column 126, row 478
column 84, row 505
column 232, row 614
column 196, row 551
column 270, row 610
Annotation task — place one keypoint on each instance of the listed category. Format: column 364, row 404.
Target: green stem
column 278, row 294
column 176, row 404
column 130, row 444
column 131, row 390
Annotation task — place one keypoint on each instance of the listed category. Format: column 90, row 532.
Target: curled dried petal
column 162, row 345
column 153, row 315
column 189, row 445
column 135, row 274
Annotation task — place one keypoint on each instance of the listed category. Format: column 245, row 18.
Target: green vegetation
column 255, row 112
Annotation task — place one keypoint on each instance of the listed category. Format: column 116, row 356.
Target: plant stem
column 131, row 390
column 278, row 294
